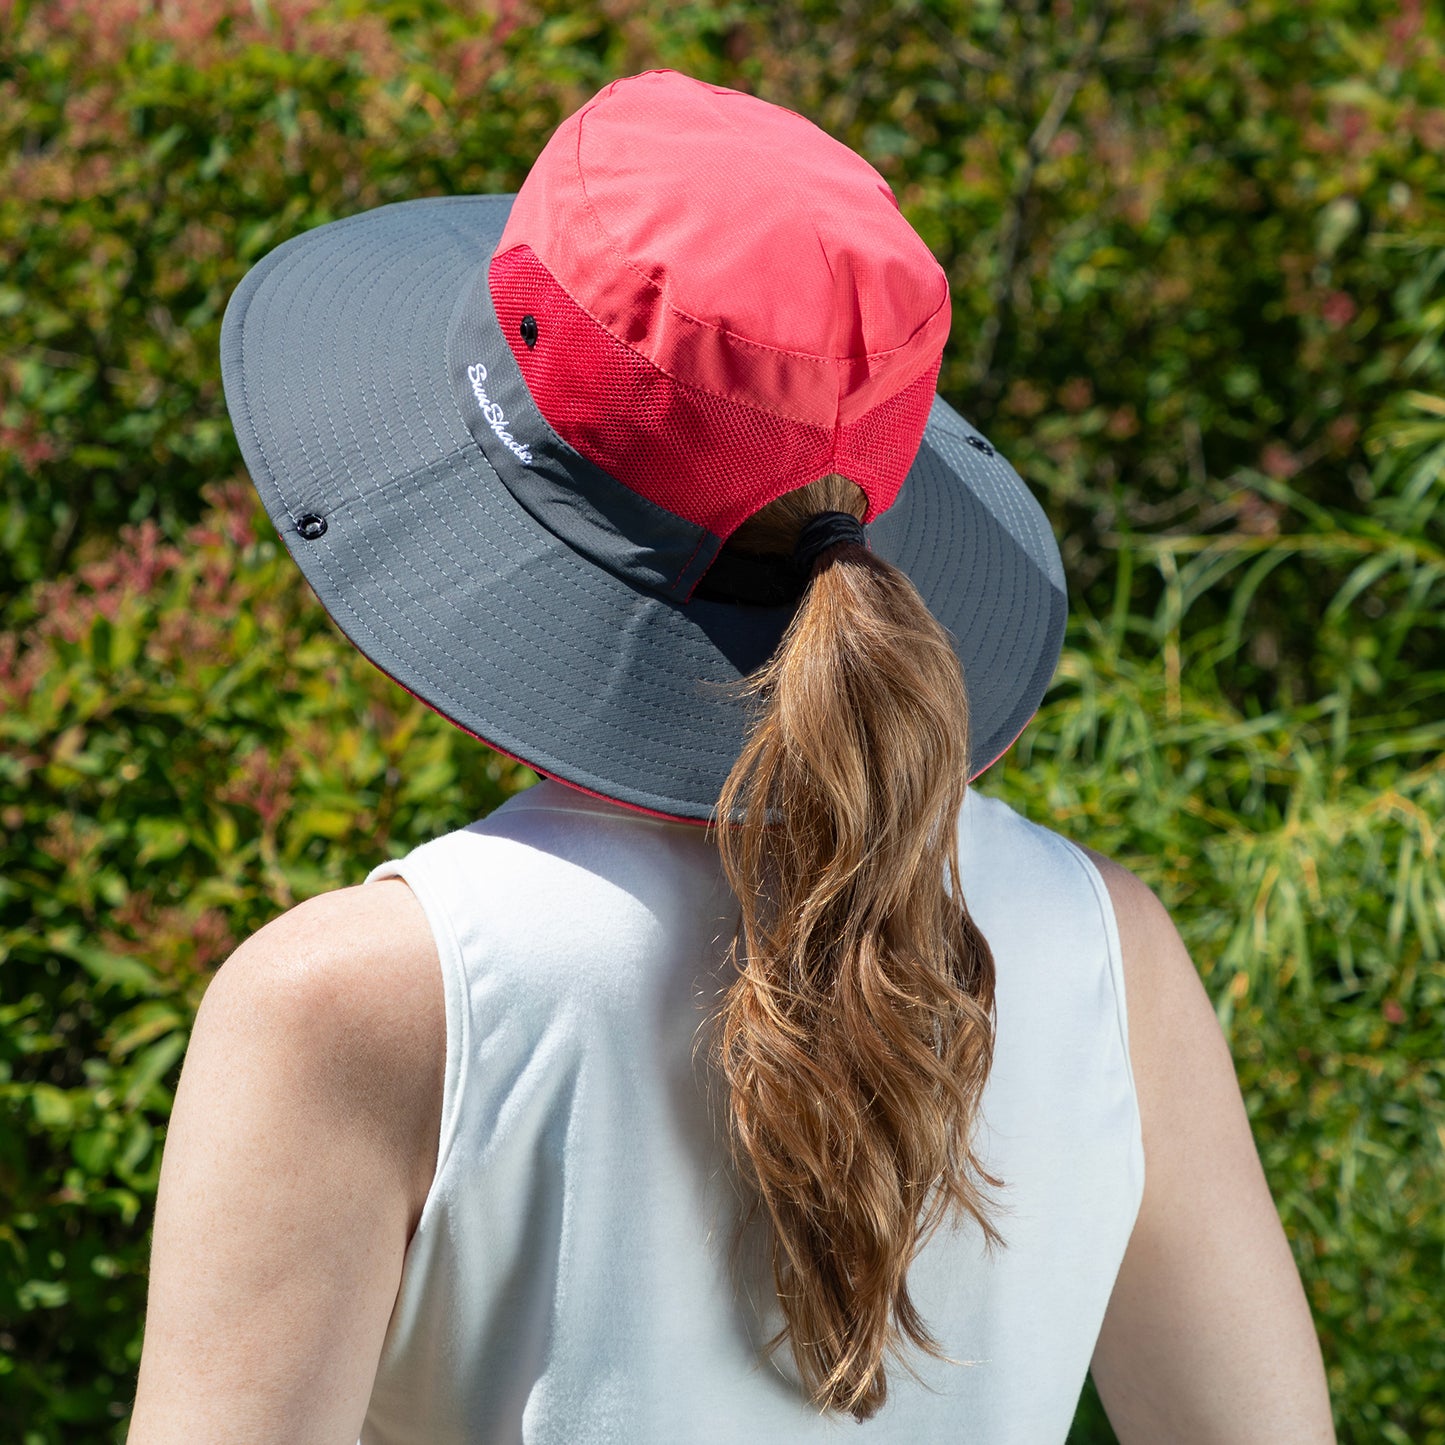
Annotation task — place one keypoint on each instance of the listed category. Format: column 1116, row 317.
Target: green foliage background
column 1198, row 263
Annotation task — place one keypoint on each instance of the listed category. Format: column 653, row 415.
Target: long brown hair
column 858, row 1034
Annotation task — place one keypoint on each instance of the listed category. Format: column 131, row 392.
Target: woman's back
column 646, row 481
column 569, row 1277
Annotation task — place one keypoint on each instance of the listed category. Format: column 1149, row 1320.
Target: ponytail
column 858, row 1034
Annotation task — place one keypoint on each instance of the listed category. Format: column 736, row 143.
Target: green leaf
column 42, row 1294
column 151, row 1066
column 321, row 823
column 94, row 1149
column 160, row 839
column 96, row 457
column 53, row 1108
column 136, row 1146
column 143, row 1023
column 129, row 975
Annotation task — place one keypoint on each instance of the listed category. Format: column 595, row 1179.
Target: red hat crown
column 716, row 302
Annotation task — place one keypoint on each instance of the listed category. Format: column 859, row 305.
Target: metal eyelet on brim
column 529, row 330
column 311, row 526
column 979, row 445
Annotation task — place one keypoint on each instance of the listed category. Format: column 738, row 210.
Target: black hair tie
column 827, row 529
column 770, row 579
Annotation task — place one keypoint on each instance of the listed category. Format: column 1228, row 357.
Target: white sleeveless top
column 568, row 1282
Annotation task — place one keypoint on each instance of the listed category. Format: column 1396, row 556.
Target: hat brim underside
column 334, row 360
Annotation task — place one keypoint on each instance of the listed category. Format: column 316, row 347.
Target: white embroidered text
column 495, row 417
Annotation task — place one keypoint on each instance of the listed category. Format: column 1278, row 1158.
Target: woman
column 751, row 1076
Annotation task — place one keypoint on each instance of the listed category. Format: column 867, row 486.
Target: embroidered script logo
column 495, row 417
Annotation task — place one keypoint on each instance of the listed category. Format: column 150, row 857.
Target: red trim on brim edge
column 603, row 797
column 987, row 766
column 527, row 763
column 633, row 807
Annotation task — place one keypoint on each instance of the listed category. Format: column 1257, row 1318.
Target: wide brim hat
column 503, row 577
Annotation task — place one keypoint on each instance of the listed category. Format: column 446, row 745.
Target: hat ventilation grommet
column 529, row 331
column 979, row 445
column 311, row 526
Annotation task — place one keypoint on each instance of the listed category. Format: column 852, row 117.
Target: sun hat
column 505, row 436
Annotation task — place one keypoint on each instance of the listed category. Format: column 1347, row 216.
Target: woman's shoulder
column 1169, row 1011
column 1168, row 1007
column 1024, row 867
column 364, row 945
column 1208, row 1334
column 1166, row 995
column 355, row 975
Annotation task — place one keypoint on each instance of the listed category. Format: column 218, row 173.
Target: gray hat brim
column 335, row 367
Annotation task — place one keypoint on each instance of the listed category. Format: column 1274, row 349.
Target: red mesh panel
column 706, row 459
column 872, row 445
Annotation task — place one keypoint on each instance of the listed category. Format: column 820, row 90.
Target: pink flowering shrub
column 187, row 748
